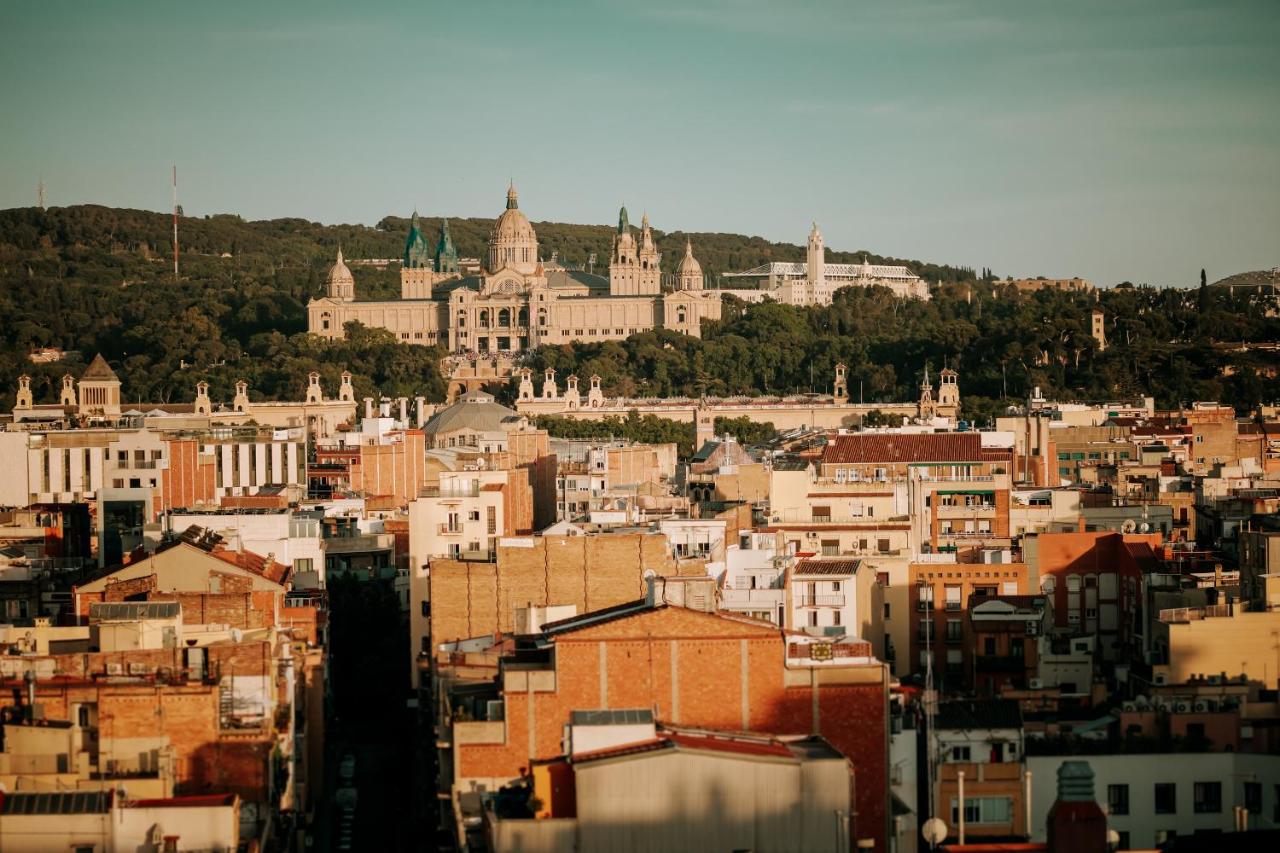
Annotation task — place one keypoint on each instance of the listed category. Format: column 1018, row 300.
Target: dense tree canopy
column 95, row 279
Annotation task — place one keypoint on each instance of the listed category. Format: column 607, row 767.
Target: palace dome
column 513, row 242
column 340, row 283
column 688, row 264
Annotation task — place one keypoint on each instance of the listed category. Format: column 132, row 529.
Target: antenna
column 175, row 221
column 40, row 194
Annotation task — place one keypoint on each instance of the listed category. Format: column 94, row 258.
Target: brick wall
column 469, row 599
column 697, row 670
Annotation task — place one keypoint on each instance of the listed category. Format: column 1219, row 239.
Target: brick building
column 695, row 669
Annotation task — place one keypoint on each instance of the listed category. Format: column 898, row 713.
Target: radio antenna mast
column 40, row 194
column 175, row 221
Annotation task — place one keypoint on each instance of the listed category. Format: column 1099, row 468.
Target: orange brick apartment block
column 693, row 669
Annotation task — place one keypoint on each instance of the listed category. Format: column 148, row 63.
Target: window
column 1118, row 799
column 953, row 598
column 983, row 810
column 955, row 631
column 886, row 610
column 1253, row 797
column 959, row 753
column 1166, row 798
column 882, row 545
column 988, row 645
column 925, row 601
column 1207, row 797
column 302, row 564
column 1123, row 843
column 925, row 631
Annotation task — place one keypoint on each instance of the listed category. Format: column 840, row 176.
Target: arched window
column 504, row 318
column 484, row 319
column 523, row 317
column 680, row 316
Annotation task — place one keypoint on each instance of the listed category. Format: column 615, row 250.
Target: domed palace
column 518, row 301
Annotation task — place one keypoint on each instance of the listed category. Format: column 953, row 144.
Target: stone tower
column 203, row 405
column 416, row 273
column 634, row 267
column 817, row 263
column 23, row 399
column 1098, row 328
column 948, row 394
column 340, row 284
column 446, row 254
column 841, row 387
column 927, row 410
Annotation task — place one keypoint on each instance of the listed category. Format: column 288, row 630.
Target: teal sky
column 1110, row 139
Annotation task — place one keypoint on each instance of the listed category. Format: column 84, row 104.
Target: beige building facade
column 816, row 281
column 519, row 302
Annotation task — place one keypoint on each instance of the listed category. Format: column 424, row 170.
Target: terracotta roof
column 251, row 562
column 828, row 566
column 898, row 447
column 99, row 371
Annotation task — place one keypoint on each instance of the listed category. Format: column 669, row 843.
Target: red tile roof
column 251, row 562
column 828, row 566
column 899, row 447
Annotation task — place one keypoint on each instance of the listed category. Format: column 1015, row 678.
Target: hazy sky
column 1107, row 139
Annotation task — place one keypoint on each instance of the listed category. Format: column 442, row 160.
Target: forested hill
column 95, row 279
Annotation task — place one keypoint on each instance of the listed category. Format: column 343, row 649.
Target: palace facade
column 519, row 301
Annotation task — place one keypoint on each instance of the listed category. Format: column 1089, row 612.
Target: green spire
column 446, row 254
column 623, row 224
column 511, row 196
column 417, row 254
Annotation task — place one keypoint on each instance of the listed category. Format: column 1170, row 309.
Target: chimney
column 368, row 407
column 30, row 678
column 403, row 403
column 1076, row 822
column 420, row 407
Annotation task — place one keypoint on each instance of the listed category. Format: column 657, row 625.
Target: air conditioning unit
column 1201, row 706
column 1129, row 706
column 1036, row 683
column 493, row 710
column 115, row 668
column 1161, row 678
column 1182, row 707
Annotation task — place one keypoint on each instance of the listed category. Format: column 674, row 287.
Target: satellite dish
column 934, row 831
column 1113, row 838
column 236, row 635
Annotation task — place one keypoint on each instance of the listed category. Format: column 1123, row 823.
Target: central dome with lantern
column 513, row 244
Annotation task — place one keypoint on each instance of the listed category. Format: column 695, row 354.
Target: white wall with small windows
column 1148, row 797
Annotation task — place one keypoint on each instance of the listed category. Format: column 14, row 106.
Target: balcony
column 1195, row 614
column 445, row 529
column 835, row 599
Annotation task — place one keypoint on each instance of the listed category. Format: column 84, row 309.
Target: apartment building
column 836, row 597
column 942, row 593
column 694, row 669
